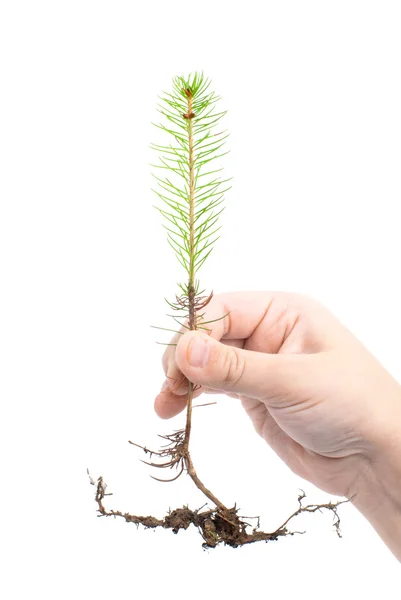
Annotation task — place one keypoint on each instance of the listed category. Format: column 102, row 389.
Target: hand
column 312, row 390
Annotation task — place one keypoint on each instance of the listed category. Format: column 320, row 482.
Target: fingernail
column 198, row 352
column 165, row 386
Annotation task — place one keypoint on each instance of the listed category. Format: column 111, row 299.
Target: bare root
column 216, row 525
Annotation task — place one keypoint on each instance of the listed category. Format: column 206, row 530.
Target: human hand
column 315, row 394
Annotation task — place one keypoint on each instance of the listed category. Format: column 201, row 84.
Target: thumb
column 210, row 363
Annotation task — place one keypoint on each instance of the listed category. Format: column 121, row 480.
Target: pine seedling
column 191, row 188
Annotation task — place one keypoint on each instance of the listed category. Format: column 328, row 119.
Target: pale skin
column 317, row 396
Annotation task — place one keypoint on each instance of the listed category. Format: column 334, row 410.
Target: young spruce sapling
column 190, row 188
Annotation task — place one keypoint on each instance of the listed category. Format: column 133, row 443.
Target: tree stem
column 191, row 302
column 191, row 115
column 191, row 288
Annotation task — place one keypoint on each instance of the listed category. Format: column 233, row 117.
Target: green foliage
column 189, row 181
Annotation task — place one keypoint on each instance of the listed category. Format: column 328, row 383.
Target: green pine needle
column 190, row 191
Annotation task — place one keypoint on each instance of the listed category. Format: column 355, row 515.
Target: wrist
column 377, row 491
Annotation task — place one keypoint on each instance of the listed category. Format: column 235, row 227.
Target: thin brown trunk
column 191, row 301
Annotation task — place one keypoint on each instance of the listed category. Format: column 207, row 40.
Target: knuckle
column 165, row 363
column 233, row 367
column 168, row 358
column 305, row 301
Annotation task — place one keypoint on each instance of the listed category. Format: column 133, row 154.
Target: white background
column 313, row 94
